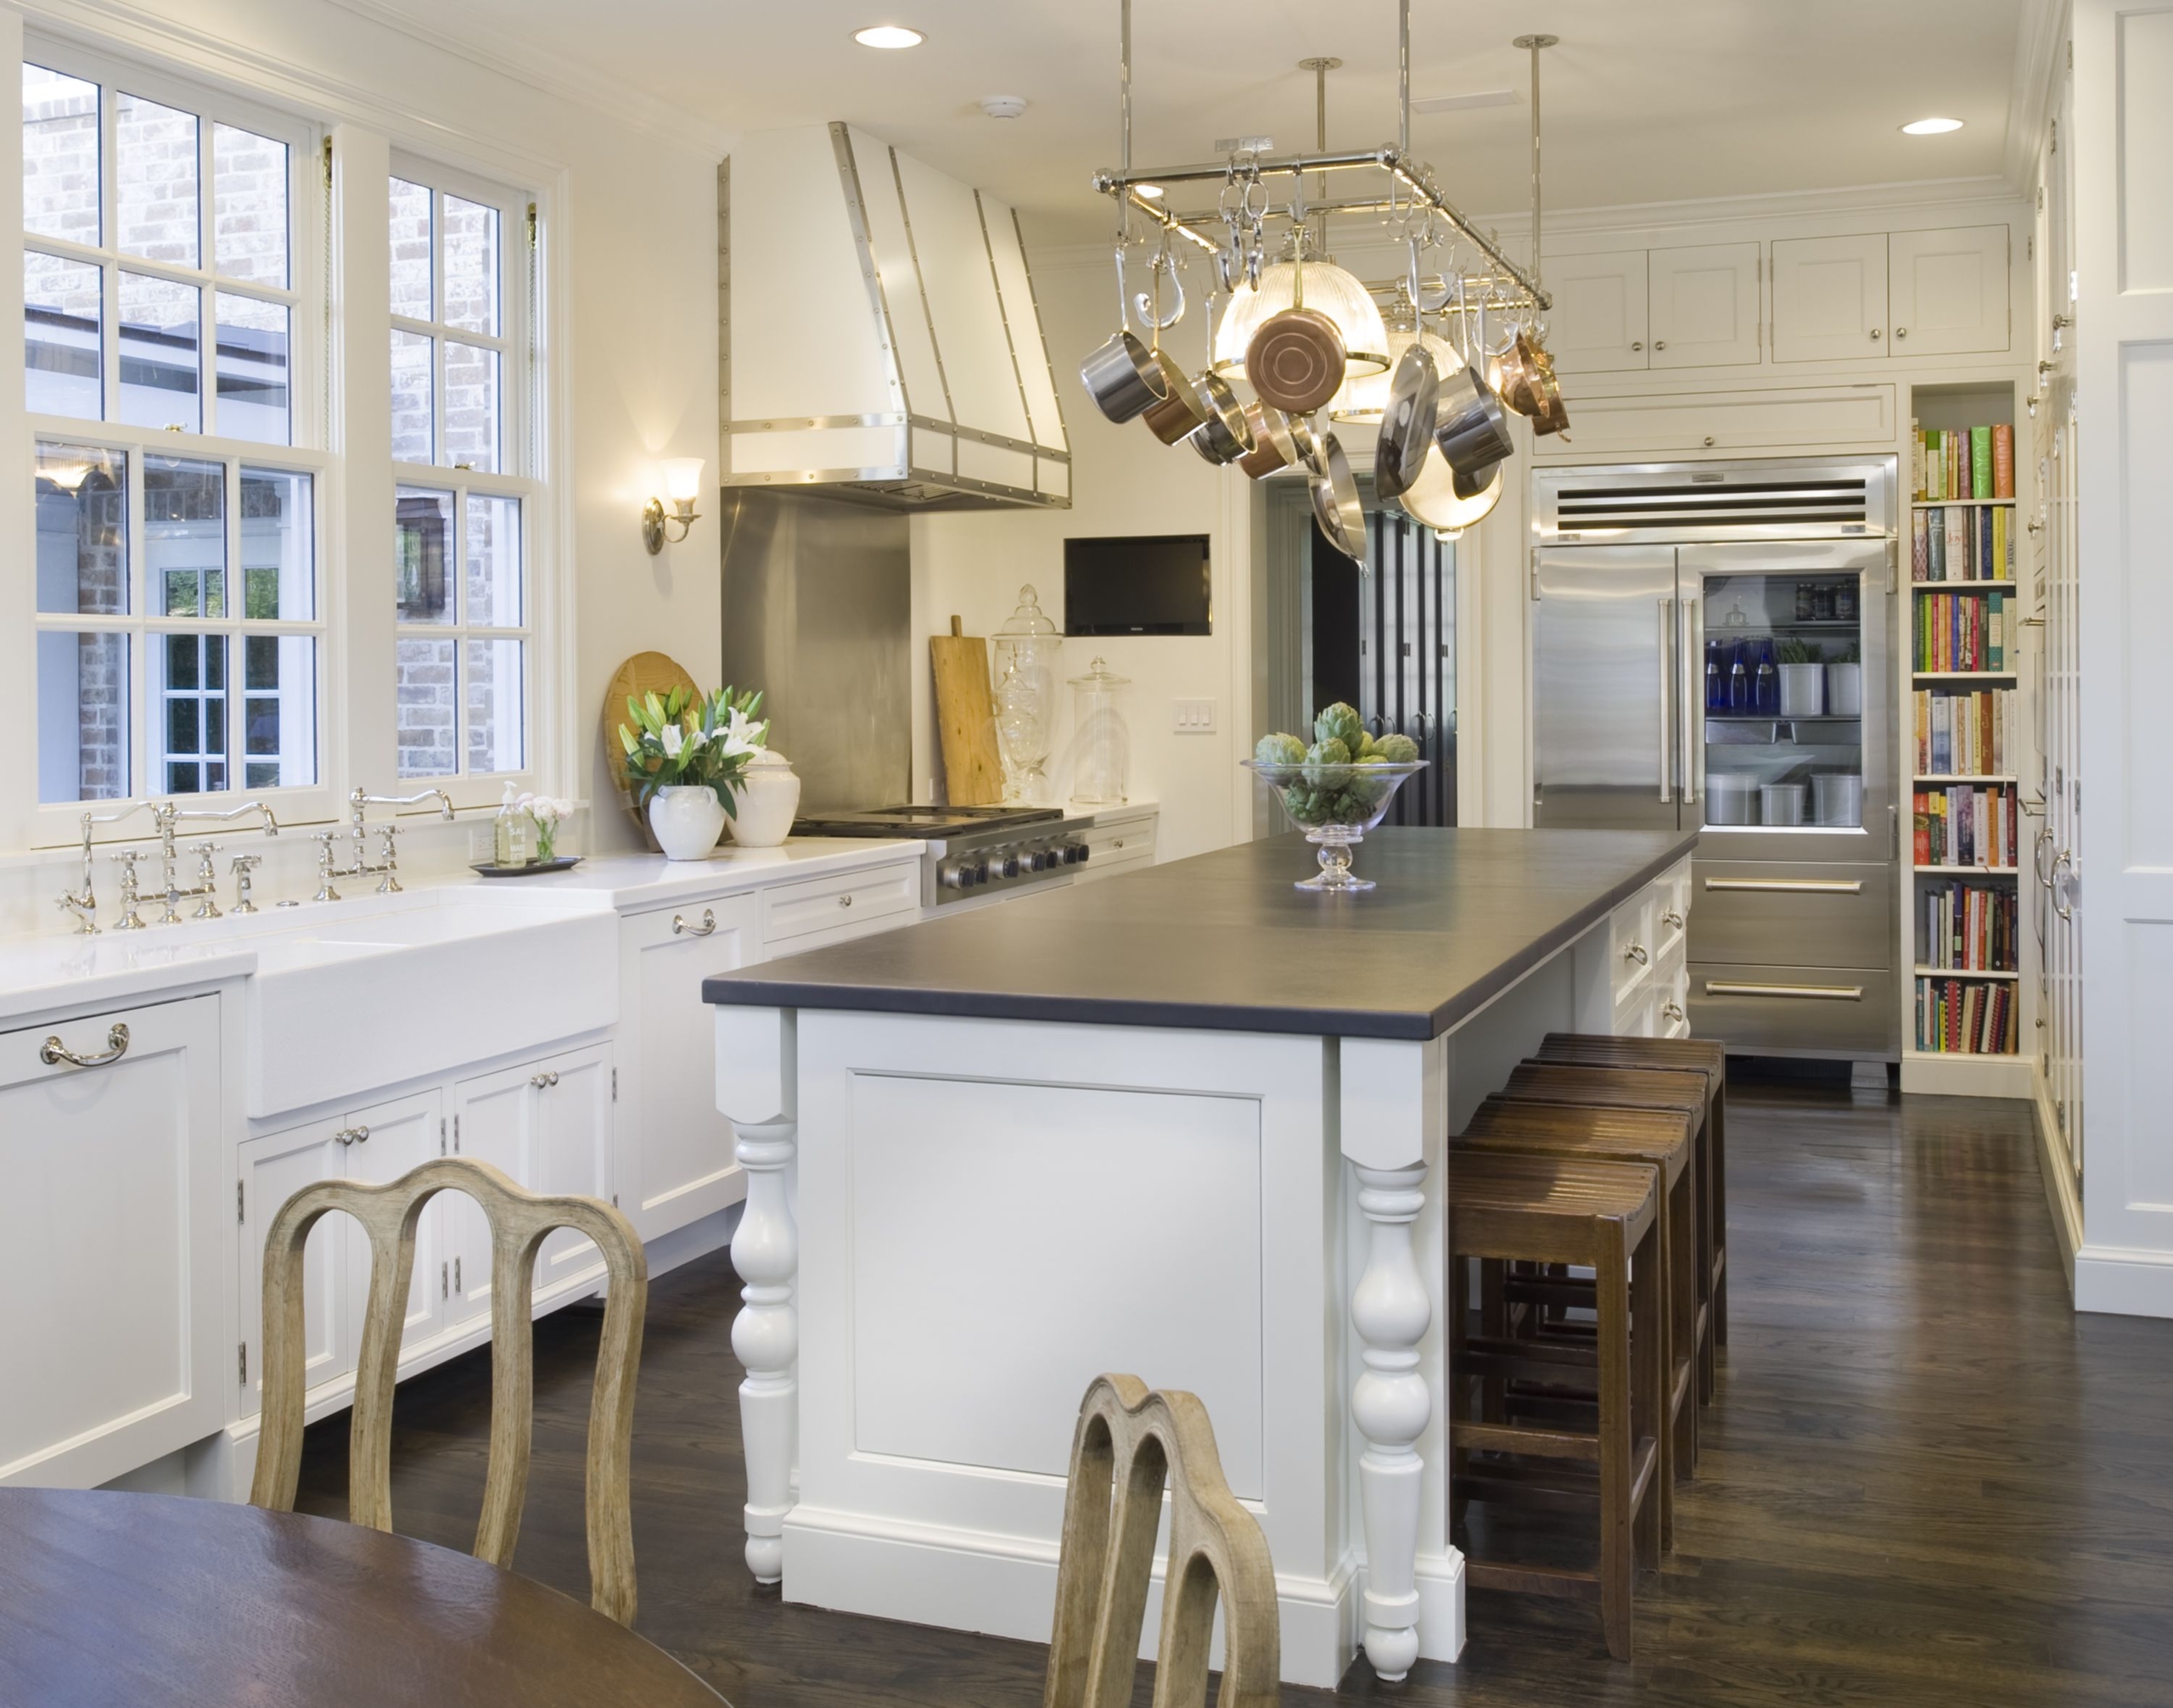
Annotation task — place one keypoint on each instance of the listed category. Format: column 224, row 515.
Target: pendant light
column 1365, row 398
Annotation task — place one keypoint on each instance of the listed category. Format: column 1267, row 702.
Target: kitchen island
column 1187, row 1124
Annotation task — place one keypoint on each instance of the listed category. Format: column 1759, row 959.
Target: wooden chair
column 520, row 1222
column 1601, row 1215
column 1662, row 1140
column 1129, row 1443
column 1709, row 1057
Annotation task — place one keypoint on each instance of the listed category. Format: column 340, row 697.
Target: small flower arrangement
column 549, row 814
column 685, row 739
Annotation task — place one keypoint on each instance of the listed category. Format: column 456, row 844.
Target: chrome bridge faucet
column 387, row 870
column 205, row 890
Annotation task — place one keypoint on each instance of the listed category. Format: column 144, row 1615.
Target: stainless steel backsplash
column 817, row 607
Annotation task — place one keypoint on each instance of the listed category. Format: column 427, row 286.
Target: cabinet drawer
column 1630, row 938
column 1634, row 1012
column 1120, row 844
column 1806, row 913
column 851, row 900
column 1777, row 418
column 1671, row 911
column 1795, row 1011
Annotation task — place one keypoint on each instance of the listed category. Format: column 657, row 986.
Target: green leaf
column 627, row 738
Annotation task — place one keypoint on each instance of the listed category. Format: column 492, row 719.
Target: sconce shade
column 682, row 478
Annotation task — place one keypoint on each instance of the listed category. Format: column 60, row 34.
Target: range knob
column 1036, row 860
column 1004, row 866
column 957, row 874
column 1074, row 852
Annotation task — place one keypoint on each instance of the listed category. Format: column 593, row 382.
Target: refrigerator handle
column 1694, row 697
column 1667, row 698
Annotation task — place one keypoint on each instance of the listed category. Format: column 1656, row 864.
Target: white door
column 675, row 1151
column 273, row 1169
column 574, row 1155
column 496, row 1119
column 1949, row 290
column 110, row 1177
column 1829, row 298
column 382, row 1142
column 1702, row 305
column 1598, row 322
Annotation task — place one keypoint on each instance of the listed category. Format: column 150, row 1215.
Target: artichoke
column 1340, row 722
column 1279, row 749
column 1320, row 756
column 1397, row 749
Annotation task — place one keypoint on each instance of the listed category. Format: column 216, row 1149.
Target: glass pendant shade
column 1366, row 397
column 1330, row 289
column 1431, row 500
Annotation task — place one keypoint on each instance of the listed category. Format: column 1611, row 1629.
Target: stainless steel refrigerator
column 1713, row 646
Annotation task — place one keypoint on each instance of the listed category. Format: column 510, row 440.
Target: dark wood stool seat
column 1684, row 1089
column 1709, row 1057
column 1661, row 1139
column 1597, row 1214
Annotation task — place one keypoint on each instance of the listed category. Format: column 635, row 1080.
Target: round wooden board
column 644, row 673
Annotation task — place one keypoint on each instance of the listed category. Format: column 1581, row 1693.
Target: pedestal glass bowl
column 1335, row 805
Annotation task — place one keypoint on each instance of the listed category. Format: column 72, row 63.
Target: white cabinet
column 111, row 1341
column 1598, row 322
column 675, row 1162
column 1949, row 290
column 821, row 911
column 1829, row 298
column 388, row 1139
column 1702, row 305
column 573, row 1156
column 1116, row 842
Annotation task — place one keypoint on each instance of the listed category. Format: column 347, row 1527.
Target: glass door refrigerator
column 1714, row 649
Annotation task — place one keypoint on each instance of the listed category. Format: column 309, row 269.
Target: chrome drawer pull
column 52, row 1052
column 1635, row 952
column 1672, row 919
column 1836, row 993
column 1791, row 886
column 680, row 927
column 844, row 900
column 1670, row 1011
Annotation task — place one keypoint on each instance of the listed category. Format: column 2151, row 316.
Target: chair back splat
column 520, row 1222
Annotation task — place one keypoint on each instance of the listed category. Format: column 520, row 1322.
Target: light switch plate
column 1195, row 717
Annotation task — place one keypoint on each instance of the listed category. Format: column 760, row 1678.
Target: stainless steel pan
column 1336, row 506
column 1275, row 446
column 1473, row 428
column 1408, row 421
column 1225, row 435
column 1121, row 376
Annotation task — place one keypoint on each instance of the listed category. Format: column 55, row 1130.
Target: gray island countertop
column 1224, row 941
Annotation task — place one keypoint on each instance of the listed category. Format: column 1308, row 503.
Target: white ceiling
column 1645, row 100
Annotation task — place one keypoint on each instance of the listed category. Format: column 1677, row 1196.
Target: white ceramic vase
column 767, row 801
column 687, row 819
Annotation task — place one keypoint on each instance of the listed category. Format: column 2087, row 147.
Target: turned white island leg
column 1391, row 1407
column 757, row 1073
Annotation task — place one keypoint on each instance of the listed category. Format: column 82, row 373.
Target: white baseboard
column 1931, row 1073
column 712, row 1232
column 2061, row 1198
column 1005, row 1586
column 2124, row 1283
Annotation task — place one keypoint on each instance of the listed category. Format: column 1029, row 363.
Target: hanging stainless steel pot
column 1407, row 420
column 1296, row 359
column 1179, row 410
column 1274, row 446
column 1336, row 505
column 1224, row 436
column 1473, row 428
column 1470, row 486
column 1121, row 376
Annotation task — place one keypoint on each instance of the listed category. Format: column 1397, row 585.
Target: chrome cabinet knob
column 1900, row 332
column 1659, row 344
column 844, row 900
column 1874, row 332
column 545, row 1081
column 1637, row 343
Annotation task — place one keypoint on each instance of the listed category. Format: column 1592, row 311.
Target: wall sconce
column 682, row 481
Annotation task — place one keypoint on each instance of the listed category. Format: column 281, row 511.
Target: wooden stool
column 1707, row 1056
column 1662, row 1140
column 1605, row 1217
column 1622, row 1087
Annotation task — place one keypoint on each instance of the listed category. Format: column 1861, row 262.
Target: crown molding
column 2038, row 46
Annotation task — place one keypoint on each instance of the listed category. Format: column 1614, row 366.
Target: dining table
column 163, row 1601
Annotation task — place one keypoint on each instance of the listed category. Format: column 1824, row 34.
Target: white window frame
column 59, row 824
column 519, row 386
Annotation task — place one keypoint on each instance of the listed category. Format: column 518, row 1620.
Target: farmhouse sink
column 350, row 996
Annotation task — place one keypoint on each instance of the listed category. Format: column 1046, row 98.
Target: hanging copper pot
column 1224, row 436
column 1181, row 410
column 1275, row 447
column 1296, row 359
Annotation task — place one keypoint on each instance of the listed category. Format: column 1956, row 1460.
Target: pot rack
column 1412, row 185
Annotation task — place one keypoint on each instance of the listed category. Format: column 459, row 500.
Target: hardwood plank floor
column 1927, row 1481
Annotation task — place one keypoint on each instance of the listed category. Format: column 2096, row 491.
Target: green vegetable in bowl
column 1279, row 749
column 1340, row 722
column 1324, row 753
column 1398, row 750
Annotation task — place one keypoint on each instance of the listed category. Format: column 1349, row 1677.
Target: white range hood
column 880, row 337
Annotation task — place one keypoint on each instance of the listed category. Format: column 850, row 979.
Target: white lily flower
column 744, row 735
column 672, row 736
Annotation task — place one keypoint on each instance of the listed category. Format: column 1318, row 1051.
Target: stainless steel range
column 973, row 852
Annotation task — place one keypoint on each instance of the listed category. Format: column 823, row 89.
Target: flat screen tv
column 1138, row 584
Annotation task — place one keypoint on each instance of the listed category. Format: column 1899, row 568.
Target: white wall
column 628, row 328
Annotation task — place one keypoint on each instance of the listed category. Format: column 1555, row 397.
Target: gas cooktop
column 930, row 823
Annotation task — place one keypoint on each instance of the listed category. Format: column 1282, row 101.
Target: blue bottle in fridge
column 1766, row 687
column 1738, row 680
column 1716, row 682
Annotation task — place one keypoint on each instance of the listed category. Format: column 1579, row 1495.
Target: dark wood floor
column 1927, row 1481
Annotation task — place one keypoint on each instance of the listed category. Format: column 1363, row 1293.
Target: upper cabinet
column 1949, row 290
column 1829, row 299
column 1912, row 293
column 1703, row 305
column 1598, row 322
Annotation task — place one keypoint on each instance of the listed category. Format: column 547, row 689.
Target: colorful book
column 2002, row 461
column 1981, row 462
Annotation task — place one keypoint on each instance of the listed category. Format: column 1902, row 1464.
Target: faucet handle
column 125, row 859
column 242, row 865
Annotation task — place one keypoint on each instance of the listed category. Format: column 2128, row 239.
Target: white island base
column 987, row 1213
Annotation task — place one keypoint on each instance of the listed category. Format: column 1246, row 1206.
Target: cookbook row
column 1965, row 733
column 1954, row 1018
column 1955, row 542
column 1964, row 462
column 1968, row 927
column 1965, row 825
column 1961, row 631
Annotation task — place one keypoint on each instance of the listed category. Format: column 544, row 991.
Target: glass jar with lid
column 1100, row 737
column 1023, row 655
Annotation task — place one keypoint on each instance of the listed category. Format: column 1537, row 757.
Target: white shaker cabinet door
column 1598, row 322
column 273, row 1169
column 1702, row 305
column 573, row 1154
column 1829, row 299
column 1950, row 290
column 675, row 1162
column 112, row 1341
column 497, row 1118
column 384, row 1141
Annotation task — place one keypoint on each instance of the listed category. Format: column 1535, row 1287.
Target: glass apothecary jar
column 1023, row 655
column 1102, row 737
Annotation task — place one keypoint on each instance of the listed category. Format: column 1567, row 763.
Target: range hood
column 881, row 340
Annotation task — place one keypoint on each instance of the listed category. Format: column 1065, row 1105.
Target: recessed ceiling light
column 888, row 36
column 1930, row 128
column 1152, row 192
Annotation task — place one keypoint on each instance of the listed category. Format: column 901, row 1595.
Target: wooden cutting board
column 965, row 713
column 644, row 673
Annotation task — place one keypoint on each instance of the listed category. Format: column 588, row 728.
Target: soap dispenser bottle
column 514, row 844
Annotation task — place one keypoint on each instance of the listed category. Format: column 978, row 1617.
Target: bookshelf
column 1962, row 738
